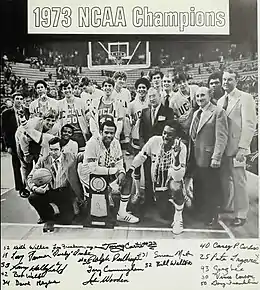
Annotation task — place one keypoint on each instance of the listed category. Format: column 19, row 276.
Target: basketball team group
column 183, row 149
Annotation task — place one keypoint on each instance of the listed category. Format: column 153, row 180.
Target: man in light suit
column 241, row 113
column 209, row 135
column 56, row 197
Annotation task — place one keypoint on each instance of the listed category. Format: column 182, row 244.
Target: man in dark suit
column 153, row 119
column 152, row 122
column 10, row 123
column 209, row 135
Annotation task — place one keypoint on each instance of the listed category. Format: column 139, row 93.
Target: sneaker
column 177, row 227
column 127, row 217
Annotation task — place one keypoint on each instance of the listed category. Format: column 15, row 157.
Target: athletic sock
column 123, row 203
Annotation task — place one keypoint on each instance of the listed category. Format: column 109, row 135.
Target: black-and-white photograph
column 129, row 136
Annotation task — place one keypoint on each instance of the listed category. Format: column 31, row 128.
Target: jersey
column 72, row 118
column 184, row 106
column 87, row 98
column 134, row 111
column 38, row 108
column 163, row 166
column 101, row 111
column 123, row 97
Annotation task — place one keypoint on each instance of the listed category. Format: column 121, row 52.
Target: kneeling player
column 168, row 156
column 103, row 156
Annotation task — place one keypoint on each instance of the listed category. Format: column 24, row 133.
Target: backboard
column 118, row 55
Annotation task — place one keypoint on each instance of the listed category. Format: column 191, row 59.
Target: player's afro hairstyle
column 142, row 81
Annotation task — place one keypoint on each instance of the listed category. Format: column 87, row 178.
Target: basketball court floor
column 19, row 220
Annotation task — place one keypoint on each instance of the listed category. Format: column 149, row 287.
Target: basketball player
column 156, row 79
column 215, row 86
column 183, row 102
column 43, row 103
column 103, row 156
column 123, row 96
column 32, row 138
column 73, row 111
column 89, row 92
column 168, row 156
column 134, row 111
column 106, row 108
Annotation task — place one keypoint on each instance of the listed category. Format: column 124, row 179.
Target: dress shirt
column 60, row 179
column 204, row 109
column 154, row 113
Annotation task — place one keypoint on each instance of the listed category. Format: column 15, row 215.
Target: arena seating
column 23, row 70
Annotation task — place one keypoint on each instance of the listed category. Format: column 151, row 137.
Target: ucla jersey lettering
column 184, row 108
column 137, row 115
column 105, row 111
column 75, row 112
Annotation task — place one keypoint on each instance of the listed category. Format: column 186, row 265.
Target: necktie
column 54, row 170
column 195, row 126
column 166, row 104
column 225, row 105
column 153, row 115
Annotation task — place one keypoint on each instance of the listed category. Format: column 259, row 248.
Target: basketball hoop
column 118, row 57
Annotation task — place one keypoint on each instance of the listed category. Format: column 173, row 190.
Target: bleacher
column 24, row 71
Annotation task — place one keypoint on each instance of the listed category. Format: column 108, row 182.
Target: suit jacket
column 146, row 129
column 68, row 170
column 9, row 126
column 212, row 135
column 241, row 113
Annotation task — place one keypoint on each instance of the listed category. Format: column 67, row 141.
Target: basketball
column 41, row 176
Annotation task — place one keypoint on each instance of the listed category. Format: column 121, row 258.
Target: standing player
column 183, row 102
column 156, row 80
column 44, row 103
column 140, row 102
column 122, row 95
column 215, row 86
column 134, row 111
column 73, row 111
column 89, row 92
column 106, row 108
